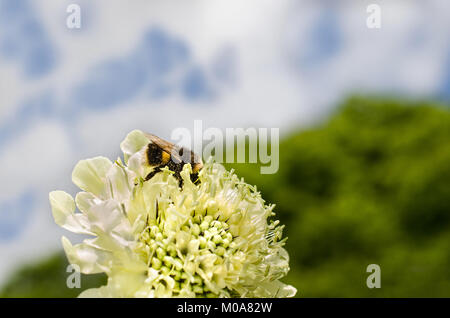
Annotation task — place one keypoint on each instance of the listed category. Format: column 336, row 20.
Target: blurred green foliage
column 369, row 185
column 47, row 278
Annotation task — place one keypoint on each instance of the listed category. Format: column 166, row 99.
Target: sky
column 69, row 94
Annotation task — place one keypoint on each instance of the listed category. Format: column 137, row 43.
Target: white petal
column 186, row 293
column 90, row 176
column 90, row 259
column 164, row 290
column 182, row 240
column 276, row 289
column 126, row 283
column 137, row 210
column 143, row 202
column 63, row 208
column 108, row 216
column 287, row 291
column 138, row 163
column 133, row 142
column 85, row 200
column 101, row 292
column 121, row 183
column 107, row 219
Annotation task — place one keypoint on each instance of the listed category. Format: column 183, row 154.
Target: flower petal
column 138, row 163
column 90, row 176
column 85, row 200
column 107, row 219
column 101, row 292
column 275, row 289
column 134, row 142
column 121, row 183
column 90, row 259
column 63, row 208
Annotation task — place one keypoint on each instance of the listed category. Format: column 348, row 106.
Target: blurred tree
column 369, row 185
column 47, row 279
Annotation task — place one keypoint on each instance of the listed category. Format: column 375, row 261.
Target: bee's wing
column 166, row 146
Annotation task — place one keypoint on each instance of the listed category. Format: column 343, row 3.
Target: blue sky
column 71, row 94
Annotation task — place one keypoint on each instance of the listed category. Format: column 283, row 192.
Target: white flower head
column 156, row 238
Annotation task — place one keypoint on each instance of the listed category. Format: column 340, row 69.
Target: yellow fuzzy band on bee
column 197, row 167
column 165, row 157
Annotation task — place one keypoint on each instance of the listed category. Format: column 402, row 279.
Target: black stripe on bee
column 154, row 155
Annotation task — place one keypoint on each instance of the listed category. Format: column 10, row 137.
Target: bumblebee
column 161, row 153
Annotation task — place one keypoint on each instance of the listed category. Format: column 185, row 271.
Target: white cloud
column 40, row 160
column 35, row 159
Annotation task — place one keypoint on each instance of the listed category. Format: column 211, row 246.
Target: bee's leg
column 176, row 168
column 194, row 178
column 180, row 180
column 154, row 172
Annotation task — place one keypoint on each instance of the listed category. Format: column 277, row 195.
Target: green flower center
column 167, row 257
